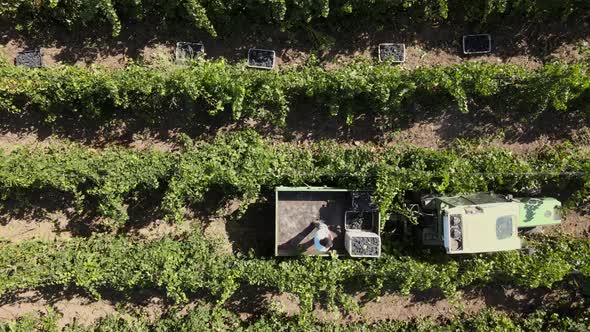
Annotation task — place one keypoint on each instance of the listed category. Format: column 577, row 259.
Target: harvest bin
column 297, row 208
column 186, row 50
column 261, row 59
column 30, row 58
column 362, row 220
column 477, row 44
column 362, row 243
column 394, row 52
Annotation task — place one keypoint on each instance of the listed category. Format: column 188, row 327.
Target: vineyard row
column 244, row 166
column 194, row 264
column 209, row 88
column 218, row 319
column 211, row 16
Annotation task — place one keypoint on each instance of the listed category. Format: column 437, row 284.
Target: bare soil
column 158, row 229
column 432, row 305
column 56, row 225
column 249, row 304
column 23, row 230
column 573, row 224
column 307, row 125
column 77, row 308
column 74, row 307
column 515, row 42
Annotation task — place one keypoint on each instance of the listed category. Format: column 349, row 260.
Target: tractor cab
column 482, row 222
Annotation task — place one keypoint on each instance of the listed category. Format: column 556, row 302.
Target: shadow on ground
column 40, row 204
column 427, row 127
column 329, row 41
column 254, row 231
column 250, row 300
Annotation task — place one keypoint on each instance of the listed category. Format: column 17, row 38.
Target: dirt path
column 307, row 125
column 574, row 224
column 424, row 305
column 520, row 43
column 76, row 308
column 417, row 54
column 73, row 307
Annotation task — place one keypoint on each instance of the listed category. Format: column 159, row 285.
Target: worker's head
column 326, row 242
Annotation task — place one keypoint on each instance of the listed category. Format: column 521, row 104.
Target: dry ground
column 520, row 43
column 425, row 130
column 86, row 311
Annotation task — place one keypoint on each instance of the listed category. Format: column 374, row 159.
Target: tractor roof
column 484, row 227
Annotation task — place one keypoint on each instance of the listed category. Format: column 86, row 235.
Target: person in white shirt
column 322, row 239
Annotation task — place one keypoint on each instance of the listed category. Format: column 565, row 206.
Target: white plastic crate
column 383, row 57
column 355, row 242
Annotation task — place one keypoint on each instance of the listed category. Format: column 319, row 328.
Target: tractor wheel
column 427, row 202
column 532, row 230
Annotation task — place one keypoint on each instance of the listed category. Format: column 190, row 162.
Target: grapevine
column 243, row 166
column 210, row 16
column 209, row 88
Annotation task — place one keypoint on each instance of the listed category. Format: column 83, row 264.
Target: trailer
column 351, row 216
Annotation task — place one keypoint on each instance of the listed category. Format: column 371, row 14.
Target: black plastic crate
column 30, row 58
column 186, row 50
column 262, row 59
column 362, row 201
column 477, row 44
column 361, row 220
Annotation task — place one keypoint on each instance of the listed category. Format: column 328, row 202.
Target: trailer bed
column 297, row 210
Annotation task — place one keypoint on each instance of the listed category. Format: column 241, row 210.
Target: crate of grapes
column 186, row 50
column 30, row 58
column 395, row 53
column 361, row 243
column 261, row 59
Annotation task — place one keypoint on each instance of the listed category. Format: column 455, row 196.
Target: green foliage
column 242, row 165
column 104, row 181
column 210, row 88
column 285, row 14
column 202, row 318
column 26, row 323
column 194, row 264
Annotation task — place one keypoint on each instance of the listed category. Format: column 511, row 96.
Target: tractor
column 479, row 222
column 464, row 224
